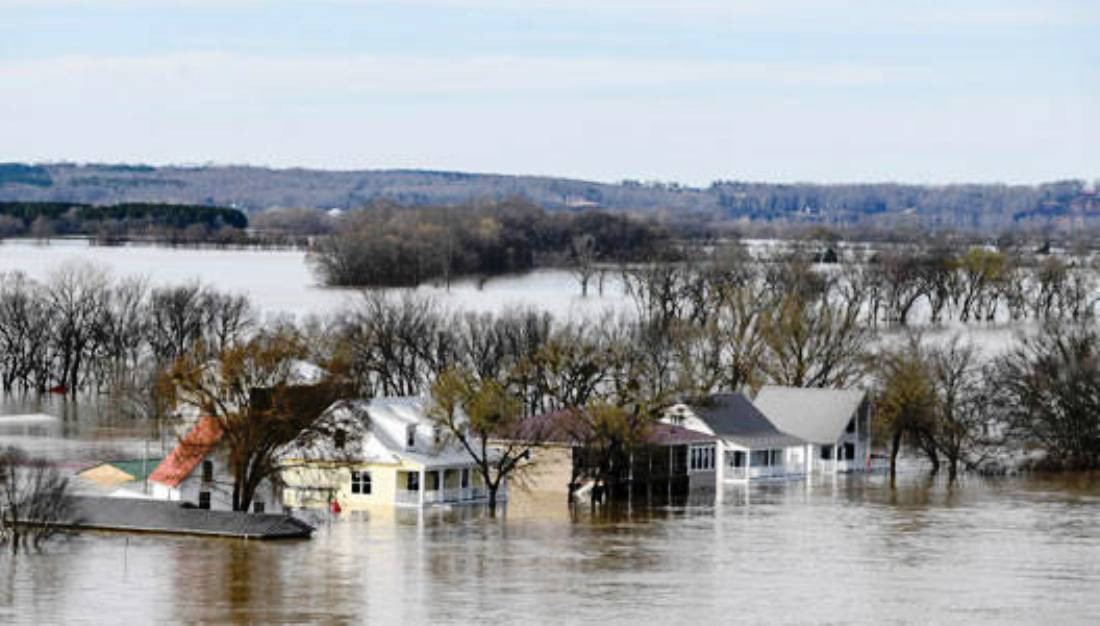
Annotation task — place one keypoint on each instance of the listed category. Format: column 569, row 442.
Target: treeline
column 1061, row 206
column 965, row 283
column 46, row 219
column 81, row 331
column 389, row 245
column 1033, row 406
column 726, row 323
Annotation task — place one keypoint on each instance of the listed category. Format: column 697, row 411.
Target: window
column 777, row 457
column 340, row 439
column 737, row 459
column 412, row 482
column 702, row 458
column 437, row 435
column 433, row 481
column 257, row 507
column 360, row 483
column 207, row 471
column 761, row 458
column 852, row 425
column 410, row 436
column 204, row 499
column 826, row 453
column 465, row 480
column 849, row 451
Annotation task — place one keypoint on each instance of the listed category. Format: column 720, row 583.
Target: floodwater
column 848, row 550
column 851, row 549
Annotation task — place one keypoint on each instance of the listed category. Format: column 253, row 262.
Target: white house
column 835, row 423
column 749, row 446
column 400, row 458
column 197, row 472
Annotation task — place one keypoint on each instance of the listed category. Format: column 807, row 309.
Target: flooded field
column 280, row 281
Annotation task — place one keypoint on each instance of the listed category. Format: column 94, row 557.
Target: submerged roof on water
column 142, row 515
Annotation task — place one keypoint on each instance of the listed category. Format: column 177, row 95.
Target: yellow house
column 400, row 459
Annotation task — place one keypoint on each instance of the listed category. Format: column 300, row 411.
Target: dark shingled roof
column 733, row 416
column 567, row 427
column 132, row 514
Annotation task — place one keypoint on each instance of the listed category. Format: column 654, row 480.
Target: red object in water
column 336, row 507
column 62, row 389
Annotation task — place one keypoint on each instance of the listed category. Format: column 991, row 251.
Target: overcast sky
column 678, row 90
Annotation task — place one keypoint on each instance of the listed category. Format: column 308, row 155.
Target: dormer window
column 437, row 435
column 340, row 439
column 410, row 437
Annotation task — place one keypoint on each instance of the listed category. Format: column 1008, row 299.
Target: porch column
column 748, row 464
column 720, row 462
column 422, row 483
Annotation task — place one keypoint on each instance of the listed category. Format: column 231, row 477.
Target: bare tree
column 813, row 343
column 583, row 257
column 34, row 502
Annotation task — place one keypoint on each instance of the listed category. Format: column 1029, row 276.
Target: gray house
column 749, row 446
column 835, row 424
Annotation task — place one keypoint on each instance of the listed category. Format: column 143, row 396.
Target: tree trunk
column 933, row 456
column 895, row 446
column 492, row 488
column 952, row 468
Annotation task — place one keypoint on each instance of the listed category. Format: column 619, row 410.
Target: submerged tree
column 905, row 409
column 962, row 425
column 486, row 419
column 1049, row 394
column 34, row 502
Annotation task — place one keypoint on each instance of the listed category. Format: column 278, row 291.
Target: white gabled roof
column 816, row 415
column 389, row 417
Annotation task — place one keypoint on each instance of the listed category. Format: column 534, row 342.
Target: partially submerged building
column 834, row 423
column 398, row 457
column 748, row 445
column 197, row 473
column 669, row 461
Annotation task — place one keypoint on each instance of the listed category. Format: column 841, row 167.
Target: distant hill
column 1061, row 205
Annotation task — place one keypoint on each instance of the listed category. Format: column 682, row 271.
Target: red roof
column 192, row 448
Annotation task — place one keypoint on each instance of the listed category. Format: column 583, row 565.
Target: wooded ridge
column 1060, row 205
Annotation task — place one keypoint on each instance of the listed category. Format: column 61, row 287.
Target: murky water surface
column 851, row 550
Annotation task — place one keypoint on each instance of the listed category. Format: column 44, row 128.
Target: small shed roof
column 817, row 415
column 118, row 472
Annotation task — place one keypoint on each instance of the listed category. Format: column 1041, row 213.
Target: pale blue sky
column 692, row 91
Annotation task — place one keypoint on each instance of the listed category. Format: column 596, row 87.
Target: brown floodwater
column 1017, row 550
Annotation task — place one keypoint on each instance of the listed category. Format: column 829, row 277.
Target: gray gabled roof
column 732, row 416
column 816, row 415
